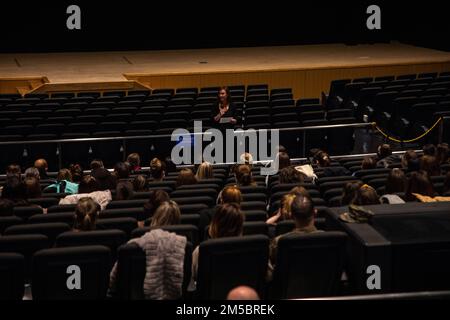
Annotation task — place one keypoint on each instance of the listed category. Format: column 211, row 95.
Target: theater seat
column 112, row 239
column 51, row 230
column 12, row 276
column 8, row 221
column 228, row 262
column 308, row 265
column 51, row 272
column 126, row 224
column 26, row 245
column 131, row 271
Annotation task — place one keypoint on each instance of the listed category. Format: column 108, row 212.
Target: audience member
column 205, row 171
column 134, row 161
column 86, row 213
column 157, row 169
column 186, row 176
column 42, row 166
column 418, row 183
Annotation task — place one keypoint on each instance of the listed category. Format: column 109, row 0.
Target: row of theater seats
column 409, row 243
column 404, row 105
column 159, row 111
column 118, row 223
column 223, row 264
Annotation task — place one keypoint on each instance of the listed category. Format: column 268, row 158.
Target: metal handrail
column 307, row 128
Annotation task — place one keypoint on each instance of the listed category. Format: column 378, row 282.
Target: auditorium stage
column 307, row 69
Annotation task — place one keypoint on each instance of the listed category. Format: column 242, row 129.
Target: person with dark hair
column 410, row 161
column 96, row 164
column 134, row 161
column 368, row 163
column 77, row 172
column 89, row 187
column 186, row 176
column 104, row 178
column 124, row 190
column 349, row 191
column 243, row 176
column 429, row 150
column 88, row 184
column 157, row 169
column 6, row 207
column 86, row 213
column 33, row 188
column 140, row 183
column 396, row 181
column 13, row 170
column 430, row 165
column 418, row 183
column 225, row 109
column 228, row 221
column 366, row 195
column 442, row 153
column 121, row 170
column 303, row 213
column 290, row 175
column 283, row 160
column 15, row 191
column 63, row 183
column 156, row 197
column 324, row 162
column 385, row 156
column 42, row 166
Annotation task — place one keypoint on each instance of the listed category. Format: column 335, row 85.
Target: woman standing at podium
column 223, row 114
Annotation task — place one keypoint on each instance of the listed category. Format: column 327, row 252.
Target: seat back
column 131, row 270
column 112, row 239
column 51, row 229
column 309, row 265
column 228, row 262
column 12, row 273
column 56, row 272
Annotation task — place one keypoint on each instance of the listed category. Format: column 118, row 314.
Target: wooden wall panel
column 304, row 82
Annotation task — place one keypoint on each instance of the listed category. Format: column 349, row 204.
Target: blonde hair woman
column 168, row 213
column 204, row 171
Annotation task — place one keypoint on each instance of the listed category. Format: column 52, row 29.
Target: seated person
column 366, row 195
column 303, row 212
column 89, row 187
column 157, row 169
column 63, row 183
column 167, row 214
column 204, row 171
column 86, row 213
column 385, row 156
column 186, row 176
column 228, row 221
column 284, row 212
column 324, row 162
column 243, row 176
